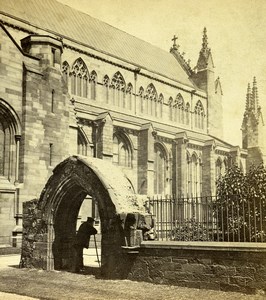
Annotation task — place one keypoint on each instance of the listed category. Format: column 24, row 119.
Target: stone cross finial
column 175, row 46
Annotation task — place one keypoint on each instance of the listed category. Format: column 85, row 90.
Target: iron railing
column 208, row 219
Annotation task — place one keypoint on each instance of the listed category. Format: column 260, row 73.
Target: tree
column 240, row 209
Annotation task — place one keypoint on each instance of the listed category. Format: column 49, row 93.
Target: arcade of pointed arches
column 117, row 92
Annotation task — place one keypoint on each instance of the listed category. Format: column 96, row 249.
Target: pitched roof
column 69, row 23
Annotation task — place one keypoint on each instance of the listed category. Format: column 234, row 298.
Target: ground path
column 56, row 285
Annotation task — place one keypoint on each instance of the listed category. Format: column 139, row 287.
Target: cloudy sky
column 236, row 34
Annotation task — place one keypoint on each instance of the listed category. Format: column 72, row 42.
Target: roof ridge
column 108, row 24
column 80, row 27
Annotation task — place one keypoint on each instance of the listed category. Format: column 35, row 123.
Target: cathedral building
column 73, row 85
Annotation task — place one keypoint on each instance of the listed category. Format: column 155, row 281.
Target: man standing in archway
column 82, row 241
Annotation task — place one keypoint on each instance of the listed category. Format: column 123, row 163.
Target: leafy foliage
column 241, row 204
column 190, row 230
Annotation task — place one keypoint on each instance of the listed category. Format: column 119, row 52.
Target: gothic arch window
column 9, row 142
column 106, row 82
column 122, row 152
column 160, row 164
column 218, row 168
column 129, row 92
column 159, row 106
column 199, row 115
column 79, row 78
column 65, row 71
column 141, row 99
column 180, row 104
column 93, row 84
column 151, row 96
column 175, row 108
column 187, row 114
column 118, row 85
column 170, row 106
column 82, row 143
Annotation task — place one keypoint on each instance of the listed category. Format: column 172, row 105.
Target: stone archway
column 49, row 223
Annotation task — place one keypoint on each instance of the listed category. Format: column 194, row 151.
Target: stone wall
column 239, row 267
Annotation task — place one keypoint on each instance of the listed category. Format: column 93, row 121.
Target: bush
column 189, row 230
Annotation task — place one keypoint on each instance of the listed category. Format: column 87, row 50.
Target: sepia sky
column 236, row 34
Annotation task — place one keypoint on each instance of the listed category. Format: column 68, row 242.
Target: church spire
column 205, row 58
column 205, row 48
column 255, row 95
column 248, row 98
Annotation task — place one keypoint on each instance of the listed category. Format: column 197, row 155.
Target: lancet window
column 128, row 100
column 9, row 142
column 141, row 99
column 151, row 96
column 82, row 144
column 159, row 106
column 65, row 71
column 199, row 115
column 160, row 163
column 118, row 84
column 187, row 114
column 180, row 105
column 79, row 78
column 218, row 168
column 93, row 84
column 122, row 152
column 170, row 106
column 106, row 82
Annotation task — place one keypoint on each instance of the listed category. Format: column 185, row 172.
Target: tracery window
column 106, row 82
column 128, row 100
column 159, row 169
column 65, row 71
column 151, row 96
column 79, row 78
column 93, row 84
column 122, row 152
column 199, row 115
column 141, row 99
column 118, row 84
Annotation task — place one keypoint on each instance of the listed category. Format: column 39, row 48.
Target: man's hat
column 90, row 219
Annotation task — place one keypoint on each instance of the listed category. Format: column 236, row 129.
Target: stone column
column 146, row 160
column 235, row 156
column 208, row 168
column 180, row 164
column 103, row 136
column 17, row 138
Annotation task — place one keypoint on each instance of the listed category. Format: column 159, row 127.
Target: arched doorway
column 50, row 222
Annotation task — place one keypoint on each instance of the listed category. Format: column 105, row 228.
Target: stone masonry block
column 195, row 268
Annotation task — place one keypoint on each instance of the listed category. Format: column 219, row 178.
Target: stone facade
column 65, row 93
